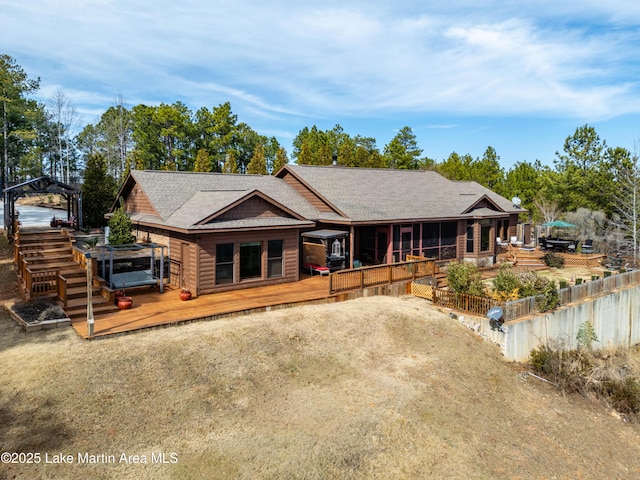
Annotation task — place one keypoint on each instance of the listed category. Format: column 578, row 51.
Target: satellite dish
column 495, row 319
column 516, row 202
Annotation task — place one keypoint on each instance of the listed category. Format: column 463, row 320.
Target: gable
column 254, row 207
column 484, row 203
column 136, row 201
column 306, row 192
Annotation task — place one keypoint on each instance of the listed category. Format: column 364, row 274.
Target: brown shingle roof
column 367, row 195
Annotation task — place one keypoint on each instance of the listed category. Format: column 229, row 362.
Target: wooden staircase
column 47, row 268
column 531, row 259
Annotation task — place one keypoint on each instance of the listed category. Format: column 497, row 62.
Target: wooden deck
column 153, row 309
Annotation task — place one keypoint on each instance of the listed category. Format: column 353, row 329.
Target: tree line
column 46, row 139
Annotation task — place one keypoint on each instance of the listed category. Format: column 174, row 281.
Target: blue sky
column 517, row 76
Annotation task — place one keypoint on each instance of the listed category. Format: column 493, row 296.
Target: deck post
column 90, row 319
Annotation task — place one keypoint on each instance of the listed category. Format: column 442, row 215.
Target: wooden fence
column 365, row 277
column 524, row 307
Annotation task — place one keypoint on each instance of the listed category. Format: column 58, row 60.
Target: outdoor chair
column 500, row 243
column 587, row 246
column 515, row 242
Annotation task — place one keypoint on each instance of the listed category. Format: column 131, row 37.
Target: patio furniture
column 587, row 246
column 500, row 243
column 515, row 242
column 559, row 245
column 314, row 267
column 542, row 243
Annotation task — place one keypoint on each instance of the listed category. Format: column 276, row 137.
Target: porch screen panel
column 275, row 258
column 448, row 240
column 224, row 263
column 250, row 260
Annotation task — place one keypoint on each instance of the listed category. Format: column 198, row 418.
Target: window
column 485, row 231
column 224, row 263
column 470, row 231
column 274, row 258
column 250, row 260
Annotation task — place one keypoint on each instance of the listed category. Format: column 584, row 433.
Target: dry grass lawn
column 379, row 388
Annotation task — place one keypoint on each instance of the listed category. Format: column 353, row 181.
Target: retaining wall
column 615, row 317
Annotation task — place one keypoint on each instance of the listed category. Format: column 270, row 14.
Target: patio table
column 560, row 245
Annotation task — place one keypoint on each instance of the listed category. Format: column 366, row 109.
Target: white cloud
column 286, row 58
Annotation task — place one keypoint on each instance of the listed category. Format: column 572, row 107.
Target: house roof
column 185, row 199
column 198, row 201
column 369, row 195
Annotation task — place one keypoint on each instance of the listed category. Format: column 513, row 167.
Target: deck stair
column 51, row 251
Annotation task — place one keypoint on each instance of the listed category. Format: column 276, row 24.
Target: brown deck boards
column 153, row 309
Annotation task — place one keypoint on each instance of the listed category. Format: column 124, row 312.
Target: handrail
column 376, row 275
column 41, row 282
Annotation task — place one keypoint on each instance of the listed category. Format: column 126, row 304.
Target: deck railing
column 463, row 302
column 41, row 282
column 365, row 277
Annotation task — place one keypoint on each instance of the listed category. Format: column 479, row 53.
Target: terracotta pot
column 125, row 302
column 117, row 295
column 185, row 295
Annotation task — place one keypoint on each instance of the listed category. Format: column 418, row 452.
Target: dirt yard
column 375, row 388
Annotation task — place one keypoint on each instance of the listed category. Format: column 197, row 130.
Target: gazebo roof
column 41, row 185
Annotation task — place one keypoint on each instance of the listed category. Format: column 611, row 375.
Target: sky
column 519, row 76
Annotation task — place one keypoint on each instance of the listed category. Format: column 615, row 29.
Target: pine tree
column 120, row 227
column 98, row 191
column 203, row 162
column 258, row 163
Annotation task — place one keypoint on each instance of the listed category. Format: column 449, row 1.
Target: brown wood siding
column 253, row 208
column 189, row 264
column 137, row 201
column 207, row 253
column 311, row 197
column 462, row 239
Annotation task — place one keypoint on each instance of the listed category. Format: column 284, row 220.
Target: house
column 228, row 231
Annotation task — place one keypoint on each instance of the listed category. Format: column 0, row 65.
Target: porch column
column 351, row 245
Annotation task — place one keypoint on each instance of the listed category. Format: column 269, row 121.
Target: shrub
column 464, row 277
column 607, row 375
column 549, row 298
column 120, row 227
column 586, row 335
column 510, row 285
column 553, row 260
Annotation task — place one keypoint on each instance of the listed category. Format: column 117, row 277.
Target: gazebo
column 41, row 185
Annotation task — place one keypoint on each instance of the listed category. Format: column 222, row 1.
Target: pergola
column 41, row 185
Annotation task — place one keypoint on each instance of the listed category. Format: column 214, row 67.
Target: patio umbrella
column 559, row 224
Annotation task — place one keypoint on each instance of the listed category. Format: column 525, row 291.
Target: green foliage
column 526, row 284
column 98, row 191
column 553, row 260
column 402, row 151
column 258, row 163
column 203, row 162
column 24, row 122
column 464, row 277
column 550, row 298
column 279, row 161
column 120, row 227
column 586, row 335
column 584, row 177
